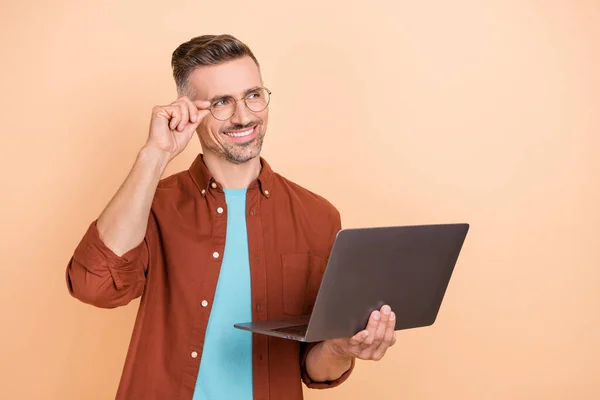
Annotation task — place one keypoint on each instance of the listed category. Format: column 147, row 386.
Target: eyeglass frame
column 237, row 100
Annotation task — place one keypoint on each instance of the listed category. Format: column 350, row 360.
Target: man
column 226, row 241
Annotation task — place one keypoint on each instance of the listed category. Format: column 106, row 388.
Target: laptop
column 406, row 267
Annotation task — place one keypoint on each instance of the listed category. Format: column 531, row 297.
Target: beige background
column 399, row 112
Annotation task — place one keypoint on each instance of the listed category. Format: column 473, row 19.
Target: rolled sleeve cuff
column 94, row 255
column 309, row 382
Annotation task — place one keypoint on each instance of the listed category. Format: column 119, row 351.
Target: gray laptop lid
column 406, row 267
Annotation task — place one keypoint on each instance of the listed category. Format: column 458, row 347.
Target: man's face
column 238, row 138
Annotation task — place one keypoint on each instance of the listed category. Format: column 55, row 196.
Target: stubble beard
column 239, row 153
column 243, row 152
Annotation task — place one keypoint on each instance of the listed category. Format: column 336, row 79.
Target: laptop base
column 293, row 328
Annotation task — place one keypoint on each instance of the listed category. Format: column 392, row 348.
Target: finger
column 202, row 104
column 174, row 113
column 359, row 338
column 202, row 108
column 378, row 354
column 200, row 116
column 185, row 115
column 389, row 336
column 372, row 328
column 191, row 108
column 383, row 323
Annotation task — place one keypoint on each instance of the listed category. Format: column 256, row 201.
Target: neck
column 232, row 176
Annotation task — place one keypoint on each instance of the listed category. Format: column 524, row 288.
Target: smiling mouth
column 240, row 134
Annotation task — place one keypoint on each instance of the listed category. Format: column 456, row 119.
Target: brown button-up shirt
column 175, row 271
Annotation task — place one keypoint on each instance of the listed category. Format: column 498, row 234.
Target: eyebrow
column 222, row 96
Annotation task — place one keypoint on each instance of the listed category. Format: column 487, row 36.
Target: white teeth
column 240, row 134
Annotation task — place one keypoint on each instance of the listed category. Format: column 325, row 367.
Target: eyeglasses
column 256, row 101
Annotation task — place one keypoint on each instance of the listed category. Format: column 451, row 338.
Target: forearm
column 323, row 364
column 122, row 225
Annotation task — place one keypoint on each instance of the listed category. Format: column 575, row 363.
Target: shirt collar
column 206, row 182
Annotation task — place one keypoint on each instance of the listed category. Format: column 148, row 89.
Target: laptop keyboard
column 295, row 329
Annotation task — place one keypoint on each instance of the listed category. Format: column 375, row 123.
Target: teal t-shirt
column 226, row 364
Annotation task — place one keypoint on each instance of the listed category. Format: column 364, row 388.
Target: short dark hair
column 203, row 51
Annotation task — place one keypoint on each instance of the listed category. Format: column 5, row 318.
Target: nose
column 242, row 115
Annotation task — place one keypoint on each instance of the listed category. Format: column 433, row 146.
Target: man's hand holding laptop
column 370, row 343
column 330, row 358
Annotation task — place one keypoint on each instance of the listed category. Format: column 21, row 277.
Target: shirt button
column 203, row 191
column 213, row 185
column 204, row 303
column 266, row 192
column 215, row 255
column 194, row 354
column 220, row 210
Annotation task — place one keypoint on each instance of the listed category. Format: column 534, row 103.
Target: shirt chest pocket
column 301, row 277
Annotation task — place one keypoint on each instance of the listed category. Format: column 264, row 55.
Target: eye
column 221, row 103
column 254, row 95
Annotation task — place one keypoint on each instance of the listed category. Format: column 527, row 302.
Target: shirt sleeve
column 308, row 381
column 96, row 275
column 336, row 225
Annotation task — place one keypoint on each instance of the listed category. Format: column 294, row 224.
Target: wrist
column 335, row 352
column 156, row 158
column 327, row 362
